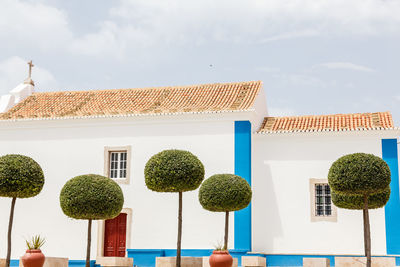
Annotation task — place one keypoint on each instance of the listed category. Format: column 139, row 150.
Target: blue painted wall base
column 14, row 263
column 81, row 263
column 71, row 263
column 147, row 257
column 297, row 260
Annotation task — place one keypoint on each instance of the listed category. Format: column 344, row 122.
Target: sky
column 314, row 57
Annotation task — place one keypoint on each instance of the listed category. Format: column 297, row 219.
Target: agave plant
column 36, row 242
column 219, row 246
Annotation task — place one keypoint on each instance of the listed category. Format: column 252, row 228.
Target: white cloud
column 139, row 24
column 33, row 24
column 143, row 23
column 105, row 41
column 344, row 66
column 290, row 35
column 14, row 71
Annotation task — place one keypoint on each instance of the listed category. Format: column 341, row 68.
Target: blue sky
column 314, row 57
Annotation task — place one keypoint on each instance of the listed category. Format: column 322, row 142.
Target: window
column 117, row 163
column 323, row 200
column 322, row 208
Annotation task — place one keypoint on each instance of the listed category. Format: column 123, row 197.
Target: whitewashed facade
column 281, row 166
column 285, row 165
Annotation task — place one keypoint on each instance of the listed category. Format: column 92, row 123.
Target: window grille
column 118, row 164
column 323, row 204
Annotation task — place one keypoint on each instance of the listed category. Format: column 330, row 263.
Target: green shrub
column 359, row 173
column 174, row 171
column 225, row 192
column 91, row 196
column 20, row 176
column 356, row 202
column 360, row 181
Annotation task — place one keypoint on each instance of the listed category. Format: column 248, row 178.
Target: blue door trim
column 243, row 168
column 392, row 208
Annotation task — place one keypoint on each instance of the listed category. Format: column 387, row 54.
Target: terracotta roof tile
column 218, row 97
column 337, row 122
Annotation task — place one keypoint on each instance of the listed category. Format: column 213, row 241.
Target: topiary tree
column 20, row 177
column 225, row 193
column 174, row 171
column 91, row 197
column 356, row 202
column 360, row 181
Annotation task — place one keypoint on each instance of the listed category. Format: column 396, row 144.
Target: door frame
column 101, row 228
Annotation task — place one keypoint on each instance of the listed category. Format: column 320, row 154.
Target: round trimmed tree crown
column 359, row 174
column 20, row 176
column 225, row 192
column 91, row 196
column 173, row 171
column 356, row 202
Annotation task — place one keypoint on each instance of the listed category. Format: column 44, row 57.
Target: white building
column 226, row 125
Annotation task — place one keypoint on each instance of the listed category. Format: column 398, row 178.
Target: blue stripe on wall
column 81, row 263
column 147, row 257
column 243, row 168
column 392, row 208
column 14, row 263
column 71, row 263
column 297, row 260
column 294, row 260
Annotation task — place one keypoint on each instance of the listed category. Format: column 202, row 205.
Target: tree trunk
column 367, row 232
column 178, row 245
column 10, row 223
column 226, row 230
column 89, row 240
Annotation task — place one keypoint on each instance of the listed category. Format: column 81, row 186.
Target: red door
column 115, row 237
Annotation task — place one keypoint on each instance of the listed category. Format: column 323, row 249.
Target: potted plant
column 34, row 256
column 220, row 257
column 224, row 193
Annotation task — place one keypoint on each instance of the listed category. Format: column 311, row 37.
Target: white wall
column 282, row 167
column 67, row 148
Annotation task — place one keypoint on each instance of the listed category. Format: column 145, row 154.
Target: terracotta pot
column 33, row 258
column 221, row 258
